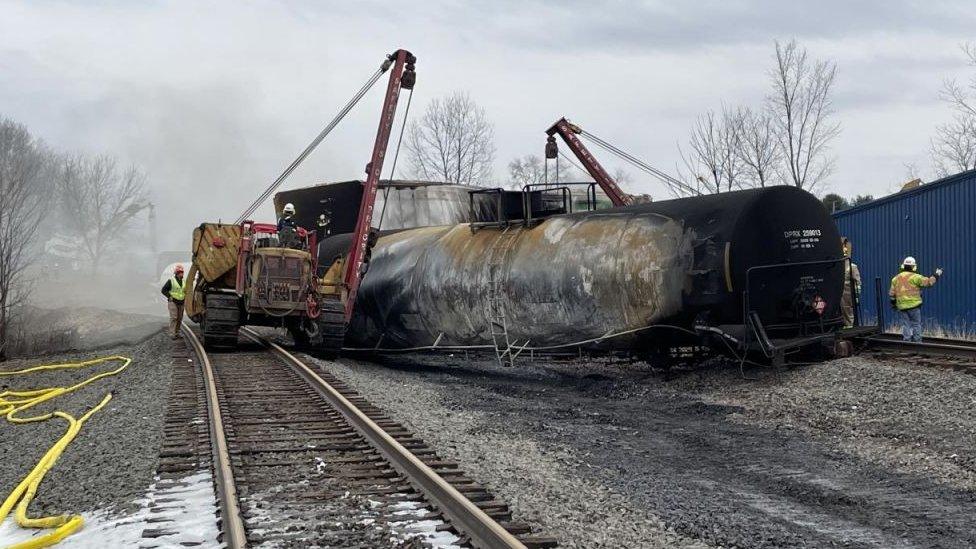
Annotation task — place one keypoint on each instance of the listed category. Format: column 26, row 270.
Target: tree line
column 44, row 192
column 954, row 145
column 784, row 138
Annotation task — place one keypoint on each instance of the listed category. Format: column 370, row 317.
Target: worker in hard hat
column 174, row 293
column 287, row 219
column 852, row 284
column 322, row 226
column 906, row 296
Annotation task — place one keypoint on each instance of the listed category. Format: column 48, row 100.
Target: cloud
column 669, row 26
column 214, row 99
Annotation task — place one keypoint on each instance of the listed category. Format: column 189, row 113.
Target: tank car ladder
column 494, row 309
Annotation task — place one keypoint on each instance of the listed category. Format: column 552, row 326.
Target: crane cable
column 545, row 175
column 315, row 142
column 13, row 402
column 644, row 166
column 396, row 155
column 571, row 163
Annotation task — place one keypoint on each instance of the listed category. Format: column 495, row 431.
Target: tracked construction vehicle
column 249, row 273
column 252, row 274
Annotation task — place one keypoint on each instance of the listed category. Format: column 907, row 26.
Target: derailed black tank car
column 756, row 270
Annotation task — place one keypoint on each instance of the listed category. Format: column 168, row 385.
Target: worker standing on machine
column 287, row 219
column 852, row 284
column 287, row 227
column 322, row 226
column 906, row 296
column 174, row 293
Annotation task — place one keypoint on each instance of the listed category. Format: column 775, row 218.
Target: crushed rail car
column 747, row 271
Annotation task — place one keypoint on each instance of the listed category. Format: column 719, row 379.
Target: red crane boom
column 402, row 76
column 569, row 132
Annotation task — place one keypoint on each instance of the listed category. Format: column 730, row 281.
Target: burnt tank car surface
column 755, row 268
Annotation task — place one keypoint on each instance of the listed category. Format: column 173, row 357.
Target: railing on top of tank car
column 499, row 193
column 566, row 195
column 752, row 320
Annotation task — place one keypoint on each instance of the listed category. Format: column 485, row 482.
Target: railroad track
column 931, row 351
column 299, row 459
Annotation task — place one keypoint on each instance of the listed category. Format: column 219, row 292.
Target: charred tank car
column 756, row 271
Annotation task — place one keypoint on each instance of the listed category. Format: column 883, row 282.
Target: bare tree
column 452, row 142
column 98, row 200
column 759, row 149
column 962, row 97
column 527, row 170
column 732, row 130
column 911, row 171
column 704, row 159
column 801, row 107
column 22, row 160
column 713, row 158
column 622, row 177
column 954, row 144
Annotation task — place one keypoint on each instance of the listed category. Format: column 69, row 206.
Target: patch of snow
column 192, row 516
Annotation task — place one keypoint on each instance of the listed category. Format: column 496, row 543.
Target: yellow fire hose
column 13, row 403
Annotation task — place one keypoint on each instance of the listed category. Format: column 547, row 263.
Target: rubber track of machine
column 332, row 326
column 221, row 321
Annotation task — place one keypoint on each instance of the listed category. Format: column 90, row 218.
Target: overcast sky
column 213, row 99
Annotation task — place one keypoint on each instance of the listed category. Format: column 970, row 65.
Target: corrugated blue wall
column 936, row 223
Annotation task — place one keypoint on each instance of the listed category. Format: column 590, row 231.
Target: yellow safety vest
column 906, row 289
column 176, row 289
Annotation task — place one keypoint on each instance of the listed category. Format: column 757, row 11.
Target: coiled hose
column 13, row 403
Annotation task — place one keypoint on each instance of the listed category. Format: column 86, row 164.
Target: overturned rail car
column 755, row 270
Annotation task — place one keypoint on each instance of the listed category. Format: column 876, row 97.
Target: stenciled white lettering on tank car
column 800, row 239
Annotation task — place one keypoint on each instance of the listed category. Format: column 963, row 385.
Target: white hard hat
column 289, row 208
column 910, row 261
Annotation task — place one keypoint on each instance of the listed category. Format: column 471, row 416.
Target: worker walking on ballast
column 174, row 293
column 906, row 297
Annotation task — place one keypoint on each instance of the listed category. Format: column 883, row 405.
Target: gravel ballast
column 542, row 484
column 854, row 453
column 910, row 418
column 111, row 461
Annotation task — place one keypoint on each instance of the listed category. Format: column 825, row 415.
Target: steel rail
column 230, row 514
column 928, row 346
column 481, row 529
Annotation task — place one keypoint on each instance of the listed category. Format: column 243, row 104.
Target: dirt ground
column 848, row 453
column 40, row 332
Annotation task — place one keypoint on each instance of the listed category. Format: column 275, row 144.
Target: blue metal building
column 935, row 223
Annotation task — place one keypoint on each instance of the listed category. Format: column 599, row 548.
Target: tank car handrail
column 795, row 264
column 500, row 216
column 590, row 192
column 567, row 197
